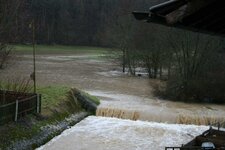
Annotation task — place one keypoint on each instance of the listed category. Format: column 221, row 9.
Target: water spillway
column 155, row 126
column 124, row 106
column 101, row 133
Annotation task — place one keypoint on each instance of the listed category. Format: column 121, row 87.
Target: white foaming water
column 99, row 133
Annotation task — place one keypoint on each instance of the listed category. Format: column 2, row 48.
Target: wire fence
column 14, row 105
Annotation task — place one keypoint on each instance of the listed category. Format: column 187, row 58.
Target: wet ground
column 121, row 95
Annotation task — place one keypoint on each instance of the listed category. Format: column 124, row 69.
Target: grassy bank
column 52, row 96
column 55, row 108
column 93, row 98
column 60, row 49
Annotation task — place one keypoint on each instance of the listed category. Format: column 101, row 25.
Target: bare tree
column 148, row 42
column 193, row 56
column 8, row 21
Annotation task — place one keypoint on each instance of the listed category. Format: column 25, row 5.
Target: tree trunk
column 169, row 71
column 124, row 60
column 155, row 72
column 160, row 71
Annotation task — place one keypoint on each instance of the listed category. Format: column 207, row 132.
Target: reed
column 201, row 120
column 118, row 113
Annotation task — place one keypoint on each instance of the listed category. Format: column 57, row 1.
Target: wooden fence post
column 39, row 95
column 4, row 92
column 38, row 103
column 16, row 112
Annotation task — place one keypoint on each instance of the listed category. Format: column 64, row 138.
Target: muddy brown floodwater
column 122, row 96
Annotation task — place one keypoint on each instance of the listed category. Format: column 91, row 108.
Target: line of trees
column 69, row 22
column 198, row 67
column 192, row 64
column 80, row 22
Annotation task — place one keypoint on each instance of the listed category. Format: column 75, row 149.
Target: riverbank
column 59, row 112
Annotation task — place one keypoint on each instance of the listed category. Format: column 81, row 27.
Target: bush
column 198, row 68
column 5, row 54
column 17, row 84
column 208, row 87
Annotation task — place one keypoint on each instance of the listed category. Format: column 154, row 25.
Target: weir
column 136, row 114
column 124, row 106
column 157, row 117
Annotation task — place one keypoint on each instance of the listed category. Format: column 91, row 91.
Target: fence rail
column 23, row 104
column 189, row 148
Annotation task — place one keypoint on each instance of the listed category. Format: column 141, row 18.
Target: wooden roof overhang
column 206, row 16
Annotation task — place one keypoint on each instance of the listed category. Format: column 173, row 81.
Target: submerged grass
column 45, row 49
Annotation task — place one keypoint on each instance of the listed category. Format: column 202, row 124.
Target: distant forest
column 73, row 22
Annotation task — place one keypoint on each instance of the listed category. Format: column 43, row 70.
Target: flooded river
column 122, row 97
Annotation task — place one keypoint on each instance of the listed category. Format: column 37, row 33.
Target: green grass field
column 45, row 49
